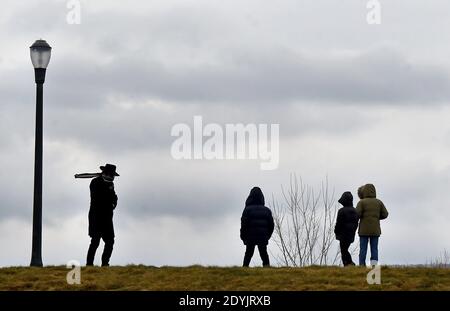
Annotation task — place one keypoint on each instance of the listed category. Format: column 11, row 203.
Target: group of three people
column 257, row 224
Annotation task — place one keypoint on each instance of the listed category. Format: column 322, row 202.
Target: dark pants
column 262, row 252
column 107, row 251
column 346, row 257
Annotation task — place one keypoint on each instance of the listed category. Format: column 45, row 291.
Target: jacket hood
column 256, row 197
column 346, row 199
column 360, row 192
column 369, row 191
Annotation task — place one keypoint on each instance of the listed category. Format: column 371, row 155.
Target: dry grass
column 216, row 278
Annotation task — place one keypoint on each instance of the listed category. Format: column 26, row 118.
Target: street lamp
column 40, row 53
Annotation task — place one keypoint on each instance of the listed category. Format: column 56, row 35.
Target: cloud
column 354, row 102
column 373, row 76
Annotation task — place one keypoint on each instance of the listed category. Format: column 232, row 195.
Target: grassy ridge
column 215, row 278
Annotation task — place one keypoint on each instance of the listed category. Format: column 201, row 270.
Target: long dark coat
column 103, row 203
column 256, row 222
column 347, row 219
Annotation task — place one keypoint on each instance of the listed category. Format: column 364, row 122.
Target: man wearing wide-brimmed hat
column 103, row 203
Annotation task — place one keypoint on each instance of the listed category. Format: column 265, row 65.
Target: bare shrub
column 442, row 261
column 304, row 224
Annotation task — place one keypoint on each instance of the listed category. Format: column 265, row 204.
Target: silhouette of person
column 103, row 203
column 346, row 224
column 256, row 227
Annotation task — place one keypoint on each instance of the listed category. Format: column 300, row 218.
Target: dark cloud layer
column 374, row 76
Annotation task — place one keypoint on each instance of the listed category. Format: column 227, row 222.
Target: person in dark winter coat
column 103, row 203
column 256, row 227
column 370, row 210
column 346, row 225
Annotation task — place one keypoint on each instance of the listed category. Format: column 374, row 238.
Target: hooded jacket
column 347, row 219
column 256, row 222
column 370, row 211
column 360, row 192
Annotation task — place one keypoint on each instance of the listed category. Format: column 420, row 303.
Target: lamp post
column 40, row 53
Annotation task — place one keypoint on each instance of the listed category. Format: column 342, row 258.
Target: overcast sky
column 360, row 103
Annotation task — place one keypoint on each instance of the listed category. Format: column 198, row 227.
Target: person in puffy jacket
column 370, row 210
column 256, row 227
column 346, row 225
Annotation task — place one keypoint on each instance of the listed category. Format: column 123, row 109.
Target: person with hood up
column 370, row 211
column 360, row 192
column 346, row 225
column 256, row 227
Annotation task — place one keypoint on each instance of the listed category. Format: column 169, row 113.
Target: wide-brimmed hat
column 109, row 169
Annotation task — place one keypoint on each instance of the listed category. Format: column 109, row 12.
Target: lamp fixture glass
column 40, row 53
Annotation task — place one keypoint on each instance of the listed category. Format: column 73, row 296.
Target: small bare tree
column 304, row 224
column 442, row 261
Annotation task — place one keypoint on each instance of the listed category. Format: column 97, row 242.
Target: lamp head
column 40, row 53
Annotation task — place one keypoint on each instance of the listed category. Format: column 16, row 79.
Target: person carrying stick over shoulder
column 103, row 203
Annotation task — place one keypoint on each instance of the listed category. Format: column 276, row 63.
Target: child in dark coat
column 346, row 225
column 256, row 226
